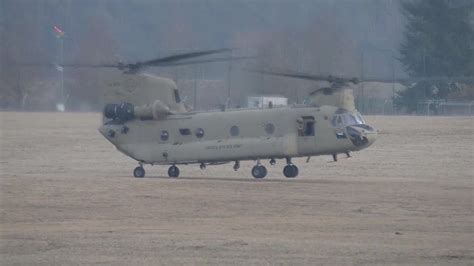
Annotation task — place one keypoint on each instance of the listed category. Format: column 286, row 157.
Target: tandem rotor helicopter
column 146, row 120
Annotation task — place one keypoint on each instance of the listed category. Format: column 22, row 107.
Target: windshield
column 359, row 118
column 347, row 119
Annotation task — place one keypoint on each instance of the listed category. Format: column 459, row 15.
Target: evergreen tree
column 439, row 41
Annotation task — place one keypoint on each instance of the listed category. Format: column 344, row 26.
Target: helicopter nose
column 362, row 136
column 107, row 132
column 371, row 137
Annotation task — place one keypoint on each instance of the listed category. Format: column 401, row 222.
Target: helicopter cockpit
column 343, row 118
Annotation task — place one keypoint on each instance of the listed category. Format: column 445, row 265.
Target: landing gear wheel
column 139, row 172
column 259, row 171
column 290, row 171
column 173, row 171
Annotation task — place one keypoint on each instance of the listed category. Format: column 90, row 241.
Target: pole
column 61, row 60
column 362, row 106
column 424, row 71
column 393, row 80
column 195, row 89
column 229, row 74
column 61, row 105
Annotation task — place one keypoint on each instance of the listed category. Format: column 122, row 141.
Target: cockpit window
column 359, row 118
column 176, row 96
column 347, row 119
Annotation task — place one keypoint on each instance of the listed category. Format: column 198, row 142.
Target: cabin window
column 306, row 126
column 164, row 135
column 309, row 128
column 185, row 131
column 269, row 128
column 234, row 131
column 199, row 133
column 337, row 121
column 176, row 96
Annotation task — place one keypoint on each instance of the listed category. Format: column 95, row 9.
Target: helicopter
column 147, row 121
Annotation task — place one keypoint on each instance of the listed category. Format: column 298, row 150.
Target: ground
column 68, row 197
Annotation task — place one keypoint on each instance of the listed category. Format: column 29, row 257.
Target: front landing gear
column 173, row 171
column 139, row 171
column 259, row 171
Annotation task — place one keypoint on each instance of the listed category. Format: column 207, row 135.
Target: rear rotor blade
column 306, row 76
column 178, row 57
column 210, row 60
column 421, row 79
column 87, row 65
column 343, row 80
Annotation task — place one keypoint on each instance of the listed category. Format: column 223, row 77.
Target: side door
column 306, row 134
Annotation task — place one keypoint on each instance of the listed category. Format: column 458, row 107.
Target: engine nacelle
column 121, row 111
column 156, row 110
column 127, row 111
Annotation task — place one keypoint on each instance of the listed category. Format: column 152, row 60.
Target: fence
column 446, row 108
column 375, row 106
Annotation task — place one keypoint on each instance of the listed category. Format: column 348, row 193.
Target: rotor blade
column 87, row 65
column 420, row 79
column 67, row 65
column 305, row 76
column 342, row 80
column 210, row 61
column 174, row 58
column 34, row 65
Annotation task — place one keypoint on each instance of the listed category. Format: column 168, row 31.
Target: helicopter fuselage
column 235, row 135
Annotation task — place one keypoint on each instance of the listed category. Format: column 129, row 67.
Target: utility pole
column 362, row 95
column 229, row 74
column 61, row 105
column 195, row 89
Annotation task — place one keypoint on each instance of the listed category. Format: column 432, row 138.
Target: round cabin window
column 164, row 135
column 234, row 131
column 199, row 133
column 269, row 128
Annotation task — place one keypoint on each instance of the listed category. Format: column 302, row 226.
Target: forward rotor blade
column 136, row 67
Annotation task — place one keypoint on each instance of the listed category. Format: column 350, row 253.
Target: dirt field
column 67, row 197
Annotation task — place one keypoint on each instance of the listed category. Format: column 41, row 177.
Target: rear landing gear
column 236, row 165
column 139, row 172
column 259, row 171
column 173, row 171
column 290, row 171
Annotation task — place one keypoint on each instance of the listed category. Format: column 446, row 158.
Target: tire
column 139, row 172
column 290, row 171
column 295, row 171
column 173, row 171
column 287, row 171
column 259, row 171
